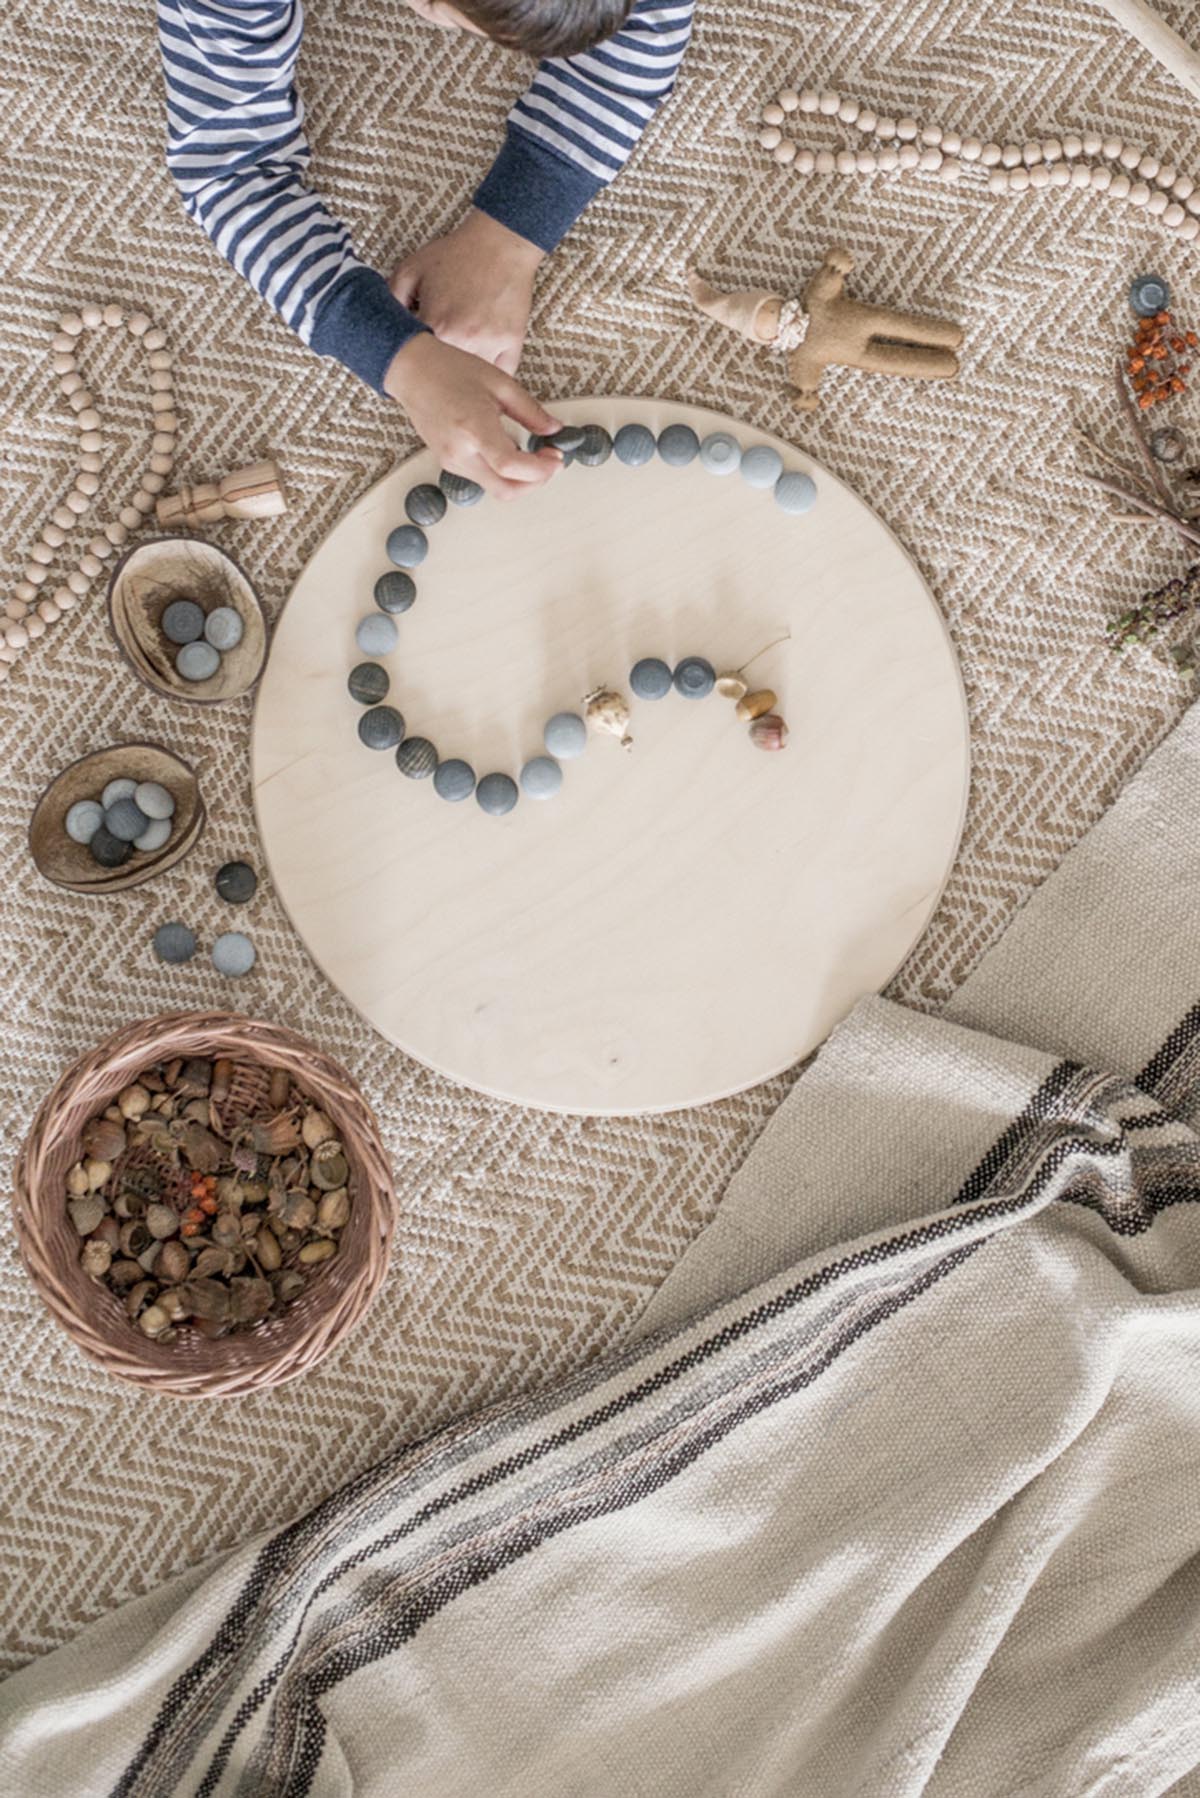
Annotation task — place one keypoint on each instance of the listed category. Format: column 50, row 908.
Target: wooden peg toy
column 254, row 492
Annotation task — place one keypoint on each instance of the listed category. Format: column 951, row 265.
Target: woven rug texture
column 527, row 1242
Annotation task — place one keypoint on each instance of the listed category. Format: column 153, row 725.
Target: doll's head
column 539, row 27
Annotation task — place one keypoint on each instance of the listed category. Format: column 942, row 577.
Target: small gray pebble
column 121, row 788
column 417, row 758
column 83, row 820
column 156, row 833
column 376, row 634
column 597, row 447
column 678, row 445
column 236, row 883
column 233, row 954
column 454, row 780
column 223, row 628
column 125, row 820
column 425, row 504
column 369, row 683
column 694, row 677
column 796, row 493
column 497, row 794
column 109, row 851
column 381, row 728
column 721, row 453
column 1149, row 294
column 458, row 490
column 634, row 445
column 174, row 942
column 408, row 546
column 650, row 678
column 761, row 466
column 395, row 591
column 568, row 440
column 197, row 661
column 154, row 799
column 542, row 777
column 182, row 621
column 565, row 735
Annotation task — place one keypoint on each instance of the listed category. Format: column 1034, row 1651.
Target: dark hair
column 547, row 27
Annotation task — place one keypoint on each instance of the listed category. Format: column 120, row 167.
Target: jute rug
column 526, row 1243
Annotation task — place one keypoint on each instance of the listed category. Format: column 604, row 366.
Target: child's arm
column 239, row 156
column 568, row 137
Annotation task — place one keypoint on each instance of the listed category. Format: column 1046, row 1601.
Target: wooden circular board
column 687, row 918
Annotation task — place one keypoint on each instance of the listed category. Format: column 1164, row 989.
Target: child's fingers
column 405, row 285
column 525, row 409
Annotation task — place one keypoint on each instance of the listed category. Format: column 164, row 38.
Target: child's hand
column 473, row 288
column 456, row 403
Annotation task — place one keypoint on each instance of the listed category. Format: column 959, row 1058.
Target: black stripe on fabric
column 1163, row 1061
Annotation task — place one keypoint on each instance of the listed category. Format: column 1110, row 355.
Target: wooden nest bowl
column 142, row 586
column 70, row 864
column 194, row 1366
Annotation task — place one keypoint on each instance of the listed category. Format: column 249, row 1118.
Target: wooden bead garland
column 28, row 612
column 1106, row 165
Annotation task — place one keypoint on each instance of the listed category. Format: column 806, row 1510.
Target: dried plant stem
column 1155, row 473
column 1149, row 506
column 1131, row 475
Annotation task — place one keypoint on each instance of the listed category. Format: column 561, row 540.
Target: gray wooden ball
column 497, row 794
column 369, row 683
column 761, row 466
column 678, row 445
column 541, row 778
column 454, row 780
column 650, row 678
column 155, row 835
column 720, row 453
column 395, row 591
column 197, row 661
column 425, row 504
column 83, row 820
column 597, row 447
column 109, row 851
column 182, row 621
column 458, row 490
column 417, row 758
column 568, row 441
column 407, row 546
column 174, row 942
column 154, row 799
column 565, row 736
column 381, row 728
column 795, row 493
column 125, row 819
column 120, row 788
column 376, row 634
column 233, row 954
column 634, row 445
column 223, row 628
column 694, row 677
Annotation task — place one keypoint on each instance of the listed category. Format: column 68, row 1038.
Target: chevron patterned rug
column 528, row 1243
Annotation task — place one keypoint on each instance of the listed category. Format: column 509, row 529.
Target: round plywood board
column 687, row 918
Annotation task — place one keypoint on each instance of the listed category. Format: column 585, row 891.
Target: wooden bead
column 88, row 483
column 77, row 502
column 785, row 152
column 1081, row 177
column 789, row 99
column 48, row 612
column 1184, row 188
column 1112, row 147
column 951, row 143
column 62, row 342
column 1138, row 194
column 89, row 418
column 143, row 502
column 756, row 705
column 34, row 573
column 161, row 359
column 824, row 162
column 113, row 315
column 1157, row 204
column 92, row 315
column 25, row 590
column 952, row 169
column 1072, row 147
column 54, row 535
column 8, row 656
column 1174, row 215
column 931, row 136
column 63, row 517
column 116, row 534
column 972, row 149
column 805, row 162
column 1031, row 153
column 15, row 609
column 100, row 546
column 155, row 339
column 1010, row 156
column 930, row 160
column 70, row 324
column 138, row 323
column 160, row 380
column 64, row 599
column 990, row 155
column 866, row 162
column 908, row 156
column 62, row 362
column 77, row 582
column 848, row 111
column 1130, row 156
column 154, row 482
column 71, row 383
column 81, row 401
column 1148, row 167
column 161, row 465
column 867, row 122
column 1119, row 185
column 828, row 104
column 1193, row 204
column 16, row 635
column 907, row 130
column 1039, row 176
column 1189, row 230
column 42, row 552
column 1093, row 143
column 885, row 127
column 130, row 518
column 846, row 162
column 90, row 442
column 35, row 627
column 768, row 138
column 1167, row 175
column 810, row 100
column 888, row 159
column 1100, row 178
column 90, row 565
column 90, row 462
column 163, row 443
column 772, row 114
column 168, row 421
column 1060, row 174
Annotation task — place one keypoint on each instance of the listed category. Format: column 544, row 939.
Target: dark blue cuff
column 536, row 193
column 363, row 324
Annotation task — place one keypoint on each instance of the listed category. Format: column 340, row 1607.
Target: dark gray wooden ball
column 425, row 504
column 381, row 728
column 369, row 683
column 417, row 758
column 395, row 591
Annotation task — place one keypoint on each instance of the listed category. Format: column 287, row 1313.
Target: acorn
column 769, row 732
column 755, row 705
column 609, row 711
column 731, row 686
column 102, row 1140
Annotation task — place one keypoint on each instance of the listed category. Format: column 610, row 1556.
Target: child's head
column 539, row 27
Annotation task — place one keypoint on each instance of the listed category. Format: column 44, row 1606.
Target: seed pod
column 161, row 1221
column 173, row 1261
column 288, row 1286
column 140, row 1295
column 153, row 1321
column 330, row 1168
column 124, row 1273
column 249, row 1299
column 299, row 1212
column 134, row 1237
column 103, row 1140
column 133, row 1101
column 320, row 1250
column 86, row 1214
column 194, row 1078
column 316, row 1129
column 77, row 1181
column 107, row 1230
column 769, row 732
column 275, row 1136
column 277, row 1096
column 609, row 711
column 173, row 1303
column 95, row 1259
column 755, row 705
column 731, row 686
column 99, row 1173
column 222, row 1075
column 266, row 1251
column 206, row 1298
column 333, row 1210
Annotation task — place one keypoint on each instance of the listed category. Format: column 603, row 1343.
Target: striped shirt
column 237, row 150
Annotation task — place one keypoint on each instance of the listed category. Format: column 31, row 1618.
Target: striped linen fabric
column 239, row 156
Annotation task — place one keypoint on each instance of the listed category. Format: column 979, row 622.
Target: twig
column 1098, row 449
column 762, row 652
column 1157, row 479
column 1187, row 531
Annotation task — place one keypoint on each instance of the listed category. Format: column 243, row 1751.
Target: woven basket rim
column 248, row 1361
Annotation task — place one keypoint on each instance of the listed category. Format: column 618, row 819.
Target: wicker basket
column 193, row 1366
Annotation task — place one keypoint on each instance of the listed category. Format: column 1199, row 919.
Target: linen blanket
column 898, row 1493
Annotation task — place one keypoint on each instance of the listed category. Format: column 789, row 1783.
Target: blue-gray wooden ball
column 634, row 445
column 694, row 677
column 541, row 778
column 454, row 780
column 678, row 445
column 182, row 621
column 155, row 835
column 568, row 441
column 650, row 678
column 407, row 546
column 376, row 634
column 197, row 661
column 154, row 799
column 223, row 628
column 83, row 820
column 381, row 728
column 425, row 504
column 795, row 492
column 233, row 954
column 497, row 794
column 125, row 819
column 395, row 591
column 565, row 735
column 174, row 942
column 120, row 788
column 720, row 453
column 761, row 466
column 597, row 447
column 109, row 851
column 417, row 758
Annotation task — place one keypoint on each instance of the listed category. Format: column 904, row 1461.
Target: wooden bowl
column 193, row 1366
column 142, row 586
column 70, row 864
